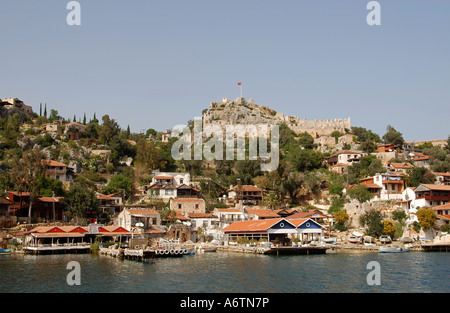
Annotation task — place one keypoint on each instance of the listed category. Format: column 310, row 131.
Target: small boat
column 406, row 239
column 206, row 249
column 188, row 251
column 393, row 249
column 329, row 240
column 385, row 239
column 354, row 239
column 5, row 251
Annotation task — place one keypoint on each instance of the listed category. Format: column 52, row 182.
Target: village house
column 344, row 157
column 5, row 205
column 442, row 178
column 400, row 167
column 245, row 194
column 346, row 139
column 55, row 127
column 42, row 209
column 147, row 219
column 407, row 202
column 109, row 203
column 385, row 186
column 419, row 159
column 168, row 186
column 228, row 216
column 430, row 195
column 339, row 168
column 260, row 214
column 188, row 205
column 74, row 131
column 17, row 104
column 57, row 170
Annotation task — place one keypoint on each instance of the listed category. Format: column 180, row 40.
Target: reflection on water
column 229, row 272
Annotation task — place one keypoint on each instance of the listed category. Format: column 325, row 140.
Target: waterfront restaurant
column 72, row 235
column 278, row 230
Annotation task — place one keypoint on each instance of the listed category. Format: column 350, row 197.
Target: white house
column 171, row 185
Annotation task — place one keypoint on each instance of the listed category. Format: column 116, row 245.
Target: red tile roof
column 252, row 226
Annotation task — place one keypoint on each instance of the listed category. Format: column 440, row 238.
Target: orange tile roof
column 188, row 200
column 402, row 165
column 141, row 211
column 263, row 212
column 246, row 188
column 442, row 207
column 53, row 163
column 229, row 210
column 437, row 187
column 252, row 226
column 201, row 215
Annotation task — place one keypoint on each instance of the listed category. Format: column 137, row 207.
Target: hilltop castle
column 240, row 111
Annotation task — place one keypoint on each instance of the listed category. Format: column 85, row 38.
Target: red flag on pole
column 239, row 84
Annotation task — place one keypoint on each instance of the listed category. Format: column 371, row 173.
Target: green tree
column 393, row 136
column 306, row 141
column 121, row 183
column 360, row 193
column 372, row 220
column 367, row 166
column 109, row 131
column 78, row 201
column 336, row 134
column 362, row 134
column 304, row 160
column 420, row 175
column 26, row 171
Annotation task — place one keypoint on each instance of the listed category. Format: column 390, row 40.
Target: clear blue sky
column 156, row 64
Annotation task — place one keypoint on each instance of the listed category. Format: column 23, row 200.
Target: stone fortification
column 240, row 111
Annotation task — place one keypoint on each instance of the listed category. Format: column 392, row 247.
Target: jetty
column 436, row 247
column 57, row 249
column 275, row 250
column 164, row 249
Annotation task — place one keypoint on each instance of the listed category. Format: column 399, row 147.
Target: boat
column 206, row 249
column 385, row 239
column 393, row 249
column 5, row 251
column 354, row 239
column 406, row 239
column 188, row 251
column 329, row 240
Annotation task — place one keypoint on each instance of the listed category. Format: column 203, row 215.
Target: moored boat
column 5, row 251
column 393, row 249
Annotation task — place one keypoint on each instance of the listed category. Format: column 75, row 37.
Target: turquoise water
column 229, row 273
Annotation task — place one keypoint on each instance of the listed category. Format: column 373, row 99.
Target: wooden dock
column 436, row 247
column 143, row 254
column 282, row 250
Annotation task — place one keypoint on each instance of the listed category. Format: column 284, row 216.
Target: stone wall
column 240, row 111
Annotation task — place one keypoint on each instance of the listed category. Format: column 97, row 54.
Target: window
column 179, row 206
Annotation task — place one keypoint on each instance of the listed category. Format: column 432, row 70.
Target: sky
column 158, row 64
